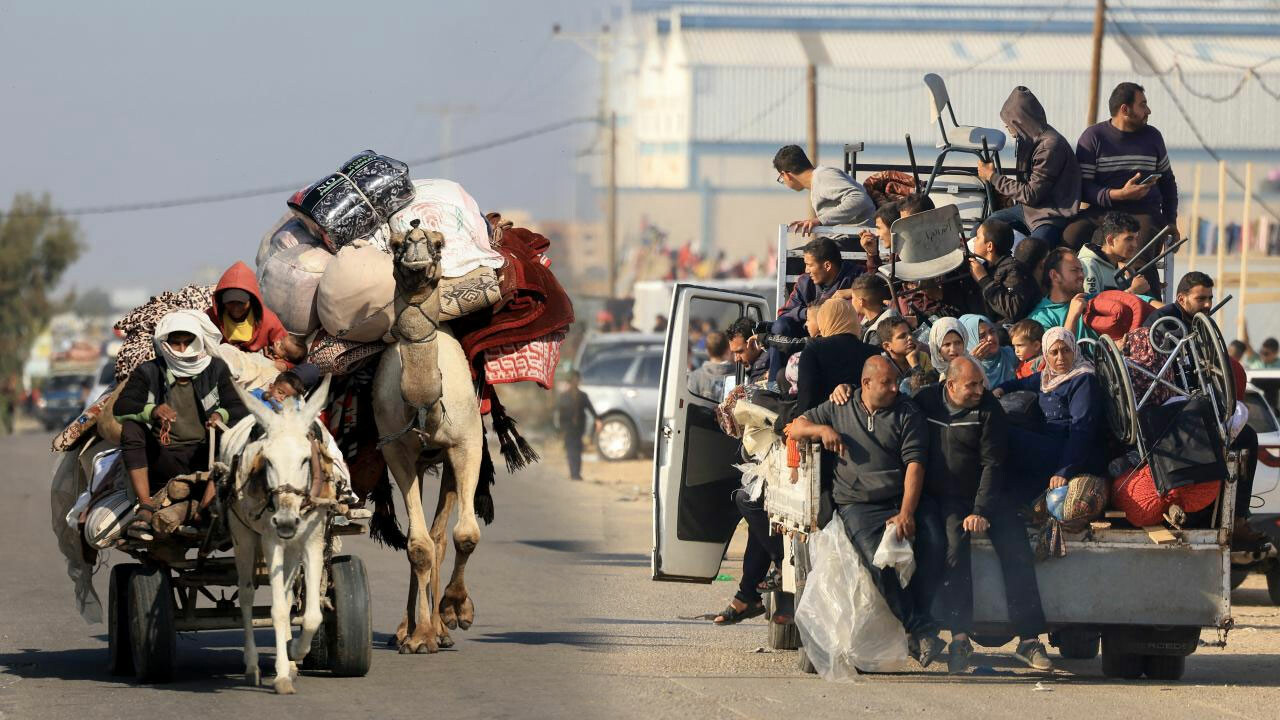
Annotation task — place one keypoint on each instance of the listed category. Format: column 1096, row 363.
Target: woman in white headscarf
column 1068, row 442
column 166, row 404
column 947, row 341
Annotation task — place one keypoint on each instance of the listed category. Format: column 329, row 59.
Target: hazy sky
column 134, row 101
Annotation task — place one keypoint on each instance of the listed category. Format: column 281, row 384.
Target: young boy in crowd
column 1025, row 336
column 870, row 298
column 286, row 385
column 900, row 349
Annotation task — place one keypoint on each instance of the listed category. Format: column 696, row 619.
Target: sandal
column 771, row 582
column 733, row 616
column 140, row 527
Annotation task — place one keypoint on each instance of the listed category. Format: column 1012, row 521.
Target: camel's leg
column 444, row 507
column 278, row 572
column 421, row 604
column 246, row 544
column 312, row 567
column 457, row 608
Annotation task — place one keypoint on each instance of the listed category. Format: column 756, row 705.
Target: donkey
column 280, row 505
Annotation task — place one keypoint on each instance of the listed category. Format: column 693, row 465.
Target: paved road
column 568, row 624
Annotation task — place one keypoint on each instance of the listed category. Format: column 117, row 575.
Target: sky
column 132, row 101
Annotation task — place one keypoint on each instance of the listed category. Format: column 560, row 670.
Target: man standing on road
column 968, row 441
column 881, row 445
column 708, row 381
column 571, row 415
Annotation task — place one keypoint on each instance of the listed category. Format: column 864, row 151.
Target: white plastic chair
column 964, row 138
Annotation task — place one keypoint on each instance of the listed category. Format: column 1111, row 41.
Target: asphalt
column 568, row 625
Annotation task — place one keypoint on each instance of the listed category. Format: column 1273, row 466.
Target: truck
column 1140, row 599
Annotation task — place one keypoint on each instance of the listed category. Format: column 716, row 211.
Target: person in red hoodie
column 239, row 313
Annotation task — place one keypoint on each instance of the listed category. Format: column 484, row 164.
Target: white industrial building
column 707, row 91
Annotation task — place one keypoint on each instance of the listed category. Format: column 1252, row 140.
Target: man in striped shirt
column 1116, row 157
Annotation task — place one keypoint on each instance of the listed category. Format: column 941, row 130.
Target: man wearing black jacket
column 967, row 445
column 1008, row 289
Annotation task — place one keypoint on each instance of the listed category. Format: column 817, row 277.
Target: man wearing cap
column 240, row 314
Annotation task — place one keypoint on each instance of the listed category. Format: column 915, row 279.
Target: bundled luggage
column 354, row 201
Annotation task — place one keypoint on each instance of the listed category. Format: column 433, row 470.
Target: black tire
column 350, row 626
column 782, row 637
column 1121, row 403
column 1273, row 584
column 151, row 628
column 1165, row 667
column 620, row 439
column 119, row 643
column 1076, row 644
column 1121, row 665
column 1238, row 577
column 318, row 656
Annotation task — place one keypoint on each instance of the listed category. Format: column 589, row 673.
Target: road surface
column 568, row 625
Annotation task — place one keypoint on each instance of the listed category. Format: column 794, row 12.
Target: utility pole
column 1095, row 74
column 446, row 113
column 600, row 46
column 811, row 103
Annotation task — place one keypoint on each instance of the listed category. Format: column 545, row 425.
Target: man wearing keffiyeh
column 166, row 405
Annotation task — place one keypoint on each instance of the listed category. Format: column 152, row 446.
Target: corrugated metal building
column 707, row 91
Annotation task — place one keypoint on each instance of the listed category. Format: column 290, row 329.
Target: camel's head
column 283, row 461
column 417, row 255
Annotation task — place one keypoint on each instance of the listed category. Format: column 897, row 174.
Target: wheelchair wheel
column 1215, row 363
column 1122, row 413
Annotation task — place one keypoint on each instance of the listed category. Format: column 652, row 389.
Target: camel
column 279, row 506
column 424, row 421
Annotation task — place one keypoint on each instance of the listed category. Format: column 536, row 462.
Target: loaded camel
column 427, row 412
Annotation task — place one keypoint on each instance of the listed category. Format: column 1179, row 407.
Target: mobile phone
column 1150, row 179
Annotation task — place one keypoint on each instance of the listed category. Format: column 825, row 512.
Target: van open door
column 693, row 474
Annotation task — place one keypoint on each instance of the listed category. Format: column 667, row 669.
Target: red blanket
column 538, row 306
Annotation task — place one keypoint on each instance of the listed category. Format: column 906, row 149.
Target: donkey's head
column 417, row 256
column 284, row 459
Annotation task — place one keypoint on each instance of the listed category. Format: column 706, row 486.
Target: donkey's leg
column 312, row 567
column 444, row 507
column 464, row 459
column 246, row 549
column 421, row 603
column 278, row 573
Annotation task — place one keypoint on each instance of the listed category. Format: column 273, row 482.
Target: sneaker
column 1033, row 654
column 930, row 647
column 958, row 654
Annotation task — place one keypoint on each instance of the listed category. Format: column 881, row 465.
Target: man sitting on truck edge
column 745, row 351
column 968, row 441
column 837, row 198
column 880, row 445
column 825, row 273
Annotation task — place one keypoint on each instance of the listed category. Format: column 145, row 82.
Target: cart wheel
column 1216, row 365
column 350, row 628
column 782, row 637
column 151, row 626
column 1273, row 583
column 1076, row 644
column 318, row 656
column 800, row 555
column 119, row 647
column 1165, row 667
column 1121, row 402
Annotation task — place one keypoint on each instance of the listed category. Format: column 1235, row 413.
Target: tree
column 37, row 245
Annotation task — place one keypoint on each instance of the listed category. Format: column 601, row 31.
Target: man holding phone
column 1124, row 166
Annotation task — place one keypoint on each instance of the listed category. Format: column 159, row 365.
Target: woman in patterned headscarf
column 1068, row 443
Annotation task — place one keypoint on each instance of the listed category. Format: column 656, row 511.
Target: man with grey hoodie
column 1047, row 185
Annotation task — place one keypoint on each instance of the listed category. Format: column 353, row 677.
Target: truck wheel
column 1165, row 667
column 1273, row 583
column 1121, row 665
column 1238, row 577
column 617, row 438
column 119, row 646
column 151, row 626
column 350, row 627
column 1076, row 644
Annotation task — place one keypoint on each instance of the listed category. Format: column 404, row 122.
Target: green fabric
column 143, row 417
column 1054, row 314
column 187, row 429
column 1254, row 362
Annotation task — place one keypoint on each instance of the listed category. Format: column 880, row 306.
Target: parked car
column 105, row 381
column 1264, row 506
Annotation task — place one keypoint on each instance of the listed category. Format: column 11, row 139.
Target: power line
column 291, row 187
column 1186, row 117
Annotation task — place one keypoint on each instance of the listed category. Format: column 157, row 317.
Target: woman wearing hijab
column 833, row 359
column 1070, row 397
column 948, row 340
column 999, row 364
column 166, row 405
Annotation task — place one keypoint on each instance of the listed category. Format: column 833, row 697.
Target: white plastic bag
column 844, row 621
column 895, row 552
